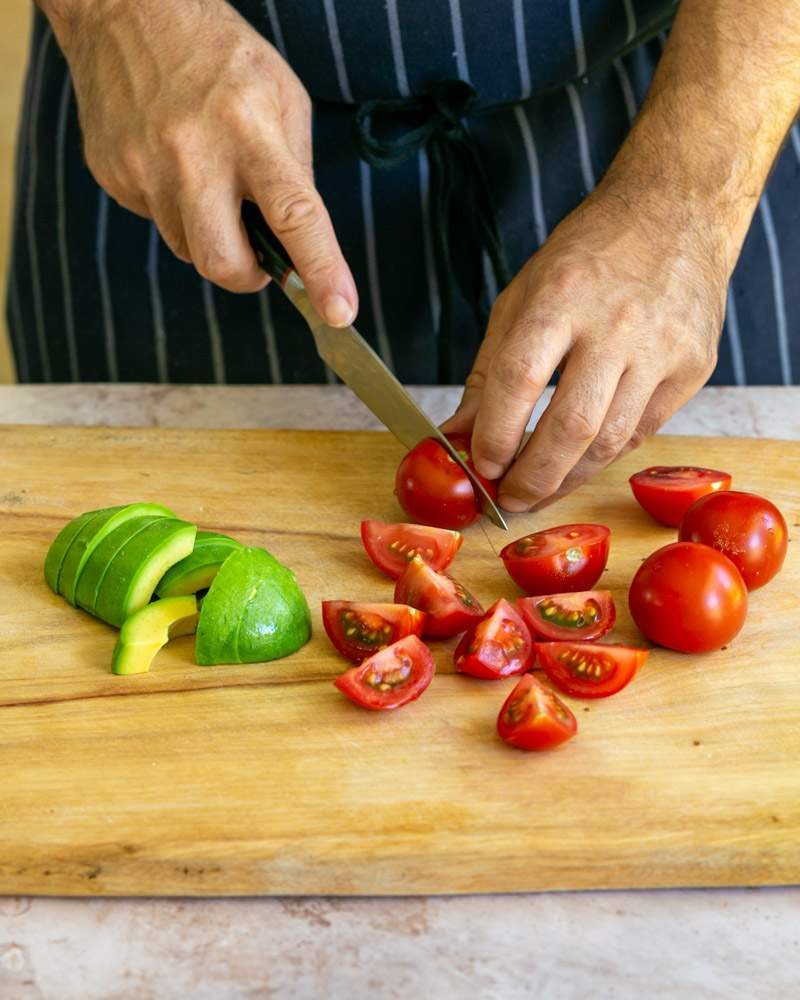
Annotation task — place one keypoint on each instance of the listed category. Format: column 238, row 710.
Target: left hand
column 626, row 299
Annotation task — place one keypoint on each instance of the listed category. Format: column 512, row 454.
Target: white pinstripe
column 533, row 166
column 430, row 267
column 522, row 49
column 627, row 89
column 577, row 36
column 275, row 25
column 630, row 13
column 794, row 133
column 21, row 353
column 777, row 288
column 397, row 47
column 61, row 217
column 662, row 39
column 269, row 336
column 583, row 137
column 488, row 277
column 101, row 234
column 458, row 39
column 337, row 50
column 214, row 335
column 732, row 324
column 384, row 348
column 159, row 331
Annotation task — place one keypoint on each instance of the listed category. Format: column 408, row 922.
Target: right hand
column 186, row 110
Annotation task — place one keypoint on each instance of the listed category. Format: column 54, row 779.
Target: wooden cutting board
column 264, row 779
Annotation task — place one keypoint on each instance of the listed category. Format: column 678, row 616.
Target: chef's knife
column 347, row 354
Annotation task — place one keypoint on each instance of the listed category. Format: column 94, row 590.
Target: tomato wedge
column 590, row 670
column 533, row 718
column 499, row 645
column 570, row 557
column 392, row 546
column 449, row 606
column 392, row 677
column 585, row 615
column 666, row 492
column 359, row 630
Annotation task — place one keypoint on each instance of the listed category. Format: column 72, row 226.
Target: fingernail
column 513, row 504
column 489, row 470
column 338, row 311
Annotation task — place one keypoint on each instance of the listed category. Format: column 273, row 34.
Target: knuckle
column 518, row 374
column 238, row 112
column 566, row 279
column 294, row 208
column 575, row 425
column 216, row 266
column 608, row 444
column 475, row 380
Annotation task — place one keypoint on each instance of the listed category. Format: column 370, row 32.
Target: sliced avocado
column 150, row 628
column 61, row 543
column 254, row 611
column 132, row 575
column 92, row 533
column 199, row 568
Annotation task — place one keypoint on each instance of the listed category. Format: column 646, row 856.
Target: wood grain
column 263, row 779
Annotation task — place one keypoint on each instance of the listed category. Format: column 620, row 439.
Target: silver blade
column 347, row 353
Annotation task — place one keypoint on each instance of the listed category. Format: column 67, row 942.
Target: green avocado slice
column 90, row 536
column 253, row 612
column 133, row 573
column 61, row 543
column 199, row 568
column 150, row 628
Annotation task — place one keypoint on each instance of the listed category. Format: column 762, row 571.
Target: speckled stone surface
column 622, row 945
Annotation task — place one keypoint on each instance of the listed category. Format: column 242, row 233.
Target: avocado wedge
column 61, row 543
column 150, row 628
column 199, row 568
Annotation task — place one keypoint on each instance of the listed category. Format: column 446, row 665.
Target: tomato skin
column 391, row 547
column 567, row 558
column 432, row 488
column 590, row 669
column 449, row 606
column 666, row 492
column 533, row 718
column 747, row 528
column 499, row 645
column 375, row 626
column 688, row 597
column 595, row 608
column 406, row 667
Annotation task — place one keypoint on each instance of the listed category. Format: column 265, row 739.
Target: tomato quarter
column 747, row 528
column 667, row 491
column 359, row 630
column 392, row 677
column 570, row 557
column 589, row 669
column 449, row 606
column 392, row 546
column 688, row 597
column 577, row 617
column 499, row 645
column 533, row 718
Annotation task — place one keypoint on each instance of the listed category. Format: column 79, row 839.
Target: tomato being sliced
column 392, row 677
column 577, row 617
column 449, row 606
column 433, row 489
column 533, row 718
column 570, row 557
column 667, row 491
column 748, row 529
column 392, row 546
column 499, row 645
column 590, row 669
column 359, row 630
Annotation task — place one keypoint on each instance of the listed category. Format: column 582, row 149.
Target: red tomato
column 433, row 489
column 497, row 646
column 392, row 677
column 449, row 606
column 359, row 630
column 533, row 718
column 688, row 597
column 570, row 557
column 585, row 615
column 589, row 669
column 667, row 491
column 392, row 546
column 748, row 529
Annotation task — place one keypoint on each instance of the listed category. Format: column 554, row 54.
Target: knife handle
column 261, row 240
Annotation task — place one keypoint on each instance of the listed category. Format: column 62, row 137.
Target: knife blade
column 347, row 354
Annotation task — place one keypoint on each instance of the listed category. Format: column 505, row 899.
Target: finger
column 166, row 216
column 566, row 429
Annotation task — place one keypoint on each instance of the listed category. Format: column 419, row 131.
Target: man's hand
column 186, row 110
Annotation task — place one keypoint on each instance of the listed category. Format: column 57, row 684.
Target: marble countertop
column 702, row 943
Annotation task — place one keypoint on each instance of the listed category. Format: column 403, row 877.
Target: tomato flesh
column 533, row 718
column 392, row 546
column 570, row 557
column 589, row 670
column 666, row 492
column 433, row 489
column 499, row 645
column 393, row 677
column 449, row 606
column 359, row 630
column 577, row 617
column 688, row 597
column 748, row 529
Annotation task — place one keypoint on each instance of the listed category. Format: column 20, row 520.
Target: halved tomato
column 392, row 677
column 590, row 670
column 499, row 645
column 392, row 546
column 449, row 606
column 577, row 617
column 570, row 557
column 359, row 630
column 533, row 718
column 667, row 491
